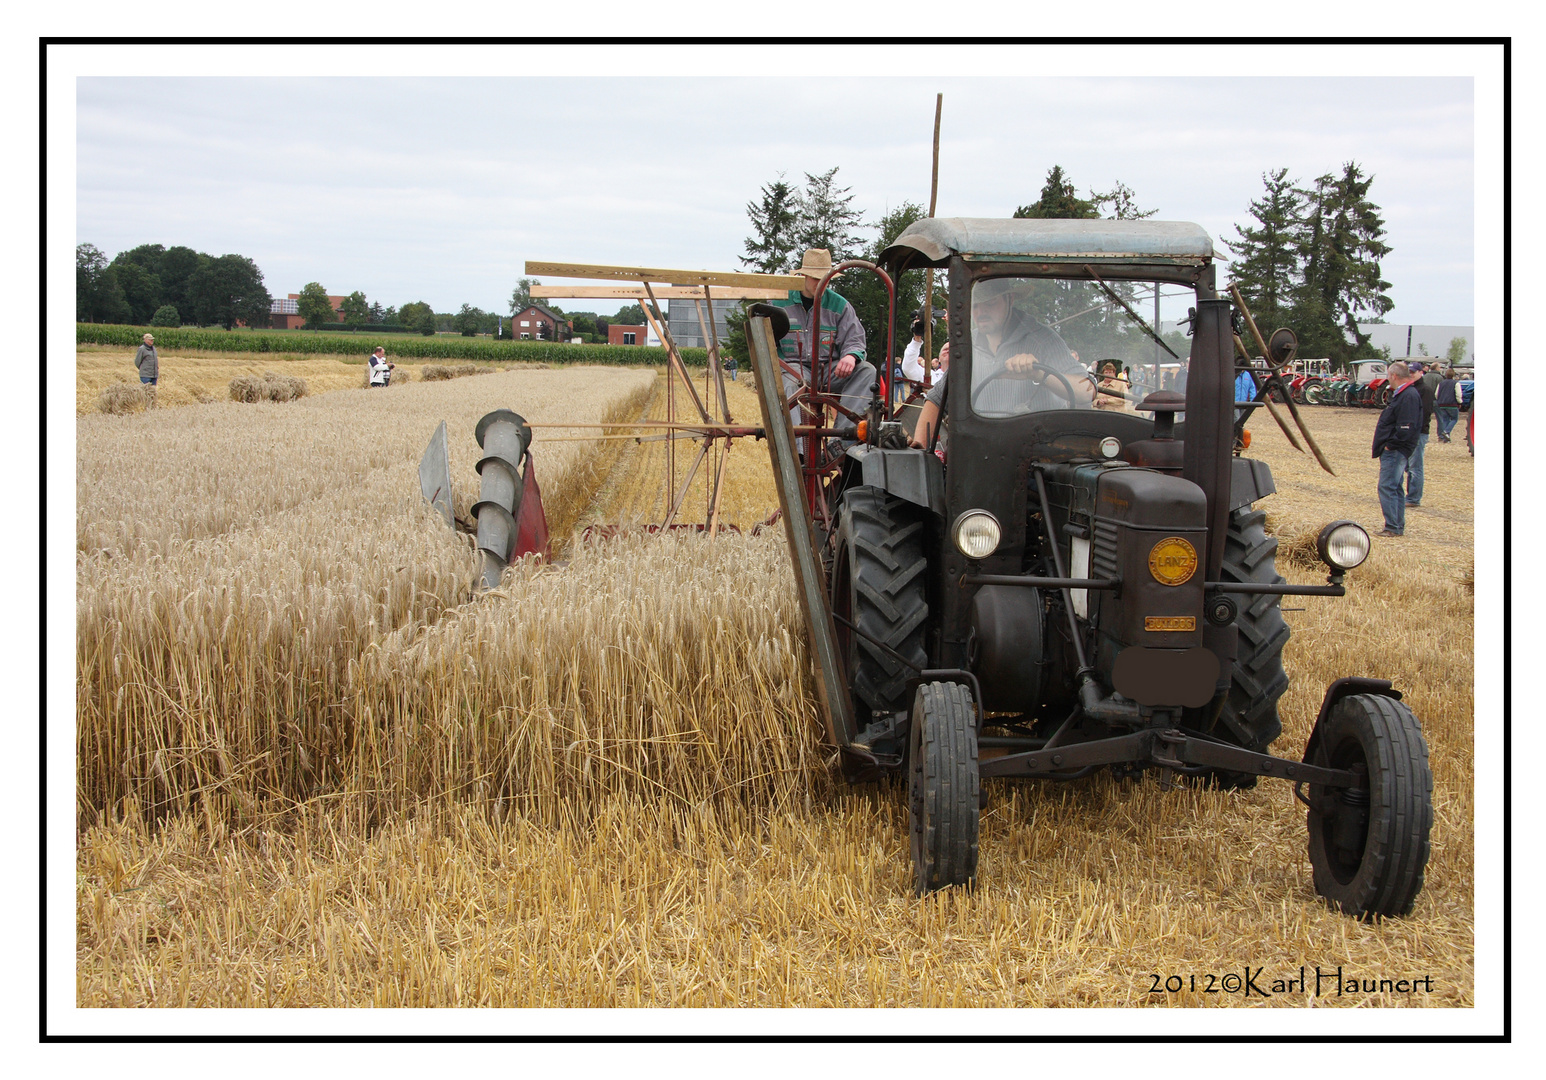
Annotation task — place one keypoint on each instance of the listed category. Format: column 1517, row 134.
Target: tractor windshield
column 1040, row 344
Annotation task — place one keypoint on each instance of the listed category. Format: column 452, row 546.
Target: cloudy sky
column 439, row 188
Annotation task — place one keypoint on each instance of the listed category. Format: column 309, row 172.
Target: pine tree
column 867, row 294
column 1123, row 201
column 1267, row 256
column 1341, row 281
column 826, row 218
column 1059, row 199
column 775, row 219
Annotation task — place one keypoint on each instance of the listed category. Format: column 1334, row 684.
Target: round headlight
column 1343, row 545
column 1110, row 447
column 976, row 534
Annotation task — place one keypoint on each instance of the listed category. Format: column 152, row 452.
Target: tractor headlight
column 1342, row 545
column 976, row 534
column 1110, row 448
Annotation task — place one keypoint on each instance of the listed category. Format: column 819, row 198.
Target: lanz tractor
column 1008, row 582
column 1045, row 589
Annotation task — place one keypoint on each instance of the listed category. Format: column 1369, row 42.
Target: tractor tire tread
column 1401, row 808
column 889, row 601
column 945, row 786
column 1250, row 715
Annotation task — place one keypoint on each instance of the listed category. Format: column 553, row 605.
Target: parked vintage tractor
column 1044, row 589
column 1306, row 377
column 1370, row 387
column 1332, row 390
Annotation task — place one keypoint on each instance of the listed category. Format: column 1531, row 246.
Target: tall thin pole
column 1157, row 329
column 928, row 296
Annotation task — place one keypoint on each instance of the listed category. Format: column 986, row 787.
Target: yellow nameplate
column 1169, row 622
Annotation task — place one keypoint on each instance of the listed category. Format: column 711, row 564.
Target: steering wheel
column 1037, row 376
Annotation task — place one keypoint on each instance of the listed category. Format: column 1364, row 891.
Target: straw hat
column 817, row 263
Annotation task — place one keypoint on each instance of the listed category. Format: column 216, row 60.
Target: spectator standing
column 912, row 356
column 1114, row 382
column 1446, row 405
column 1414, row 468
column 731, row 366
column 380, row 370
column 149, row 366
column 1395, row 439
column 1245, row 385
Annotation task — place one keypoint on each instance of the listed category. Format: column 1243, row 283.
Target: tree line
column 152, row 285
column 1311, row 260
column 786, row 220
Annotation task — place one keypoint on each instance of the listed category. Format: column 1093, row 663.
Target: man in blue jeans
column 1395, row 438
column 1426, row 384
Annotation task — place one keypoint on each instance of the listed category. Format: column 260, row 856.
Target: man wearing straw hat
column 841, row 368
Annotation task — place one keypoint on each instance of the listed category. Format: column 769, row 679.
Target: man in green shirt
column 841, row 367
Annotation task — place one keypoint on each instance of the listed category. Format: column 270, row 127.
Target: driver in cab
column 1016, row 364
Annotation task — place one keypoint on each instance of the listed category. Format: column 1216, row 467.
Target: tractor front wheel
column 1250, row 714
column 1369, row 845
column 943, row 787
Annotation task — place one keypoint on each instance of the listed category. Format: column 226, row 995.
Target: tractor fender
column 915, row 476
column 1250, row 481
column 1345, row 687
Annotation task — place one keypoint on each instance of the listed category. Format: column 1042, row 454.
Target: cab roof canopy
column 931, row 241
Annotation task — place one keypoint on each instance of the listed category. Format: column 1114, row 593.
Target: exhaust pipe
column 503, row 436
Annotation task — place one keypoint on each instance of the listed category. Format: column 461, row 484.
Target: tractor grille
column 1103, row 550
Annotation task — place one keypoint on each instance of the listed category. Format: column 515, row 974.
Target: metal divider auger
column 804, row 466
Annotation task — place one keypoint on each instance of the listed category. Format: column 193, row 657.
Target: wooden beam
column 636, row 292
column 670, row 277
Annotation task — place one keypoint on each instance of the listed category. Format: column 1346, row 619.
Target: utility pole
column 928, row 295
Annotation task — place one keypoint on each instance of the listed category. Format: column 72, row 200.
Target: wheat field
column 316, row 771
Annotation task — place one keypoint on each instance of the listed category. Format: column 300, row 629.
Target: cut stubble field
column 315, row 771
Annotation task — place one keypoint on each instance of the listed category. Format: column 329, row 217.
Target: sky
column 439, row 188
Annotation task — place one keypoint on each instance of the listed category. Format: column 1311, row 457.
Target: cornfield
column 438, row 346
column 316, row 770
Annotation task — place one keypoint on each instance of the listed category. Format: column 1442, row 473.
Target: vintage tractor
column 1370, row 387
column 1332, row 390
column 1043, row 589
column 1307, row 378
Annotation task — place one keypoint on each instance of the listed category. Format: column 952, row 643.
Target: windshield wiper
column 1127, row 308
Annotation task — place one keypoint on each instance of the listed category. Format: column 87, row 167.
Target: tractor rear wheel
column 878, row 577
column 1369, row 847
column 1250, row 715
column 943, row 787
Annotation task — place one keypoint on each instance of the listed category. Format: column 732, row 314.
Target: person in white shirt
column 912, row 358
column 380, row 370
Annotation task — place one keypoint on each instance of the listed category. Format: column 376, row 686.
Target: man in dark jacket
column 1395, row 438
column 1446, row 405
column 149, row 365
column 1426, row 383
